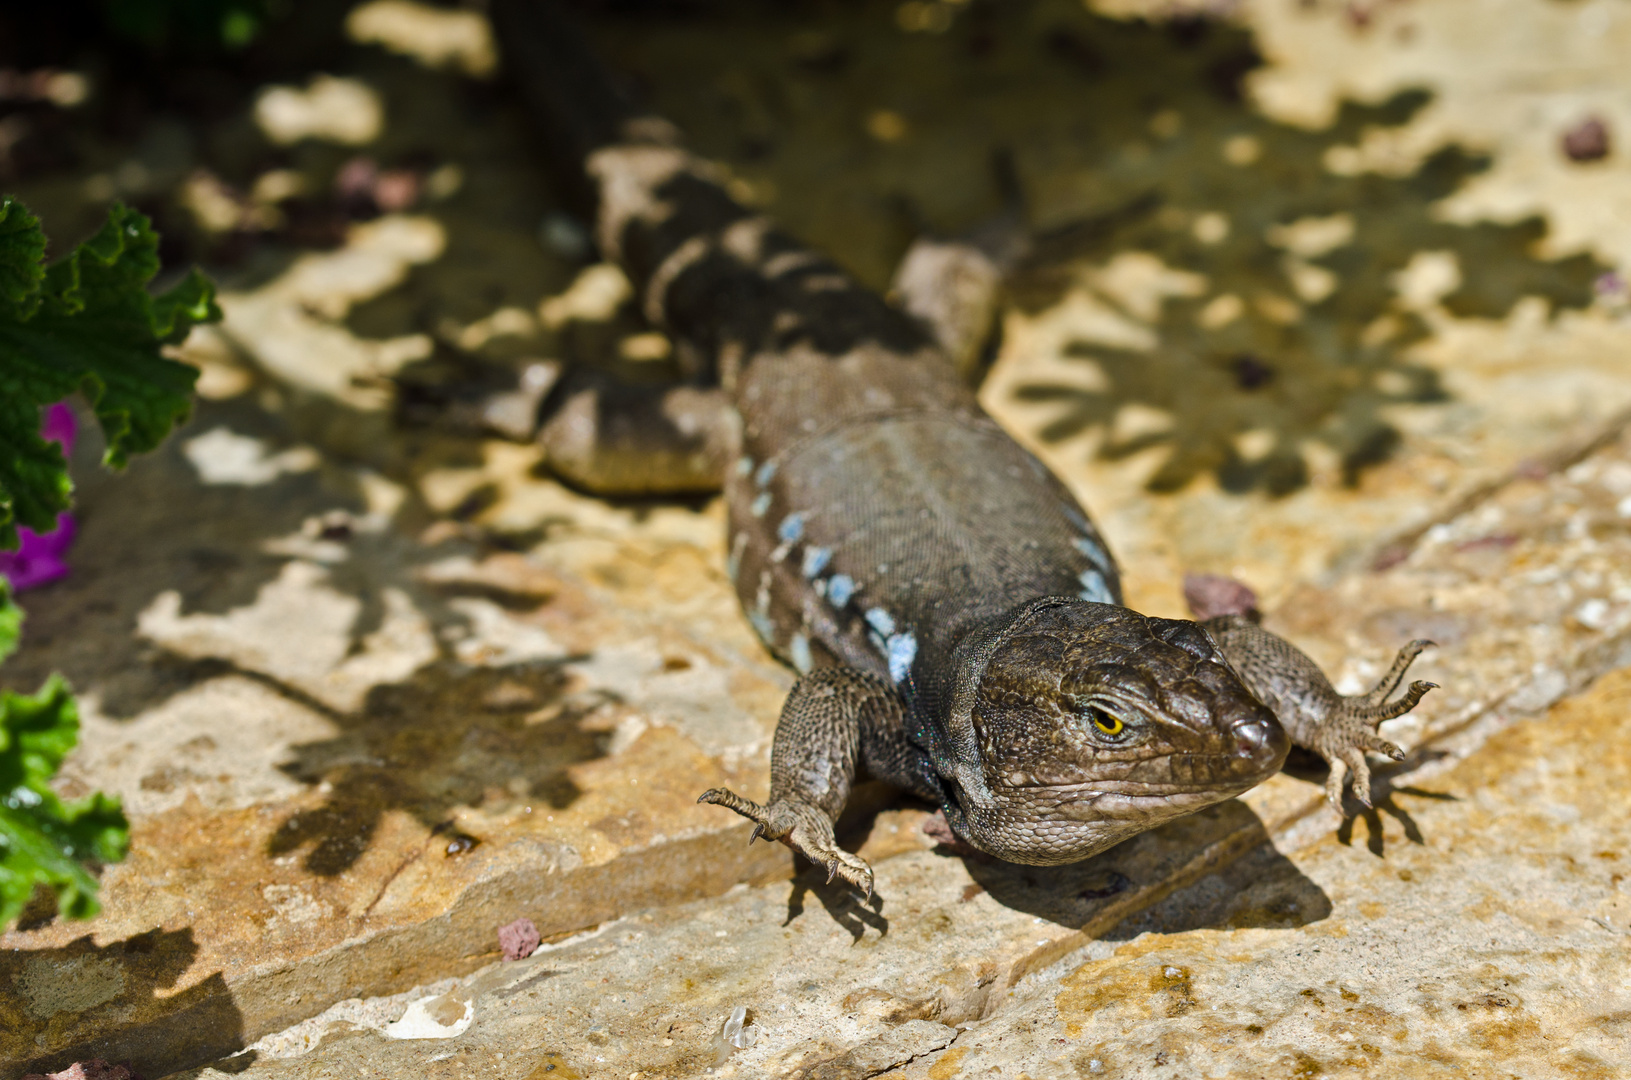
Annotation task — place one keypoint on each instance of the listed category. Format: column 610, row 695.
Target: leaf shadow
column 1283, row 341
column 197, row 1023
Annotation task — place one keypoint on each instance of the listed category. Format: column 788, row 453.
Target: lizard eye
column 1109, row 726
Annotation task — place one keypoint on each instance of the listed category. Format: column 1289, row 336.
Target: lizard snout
column 1261, row 744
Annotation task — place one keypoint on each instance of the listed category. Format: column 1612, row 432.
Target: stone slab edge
column 217, row 1017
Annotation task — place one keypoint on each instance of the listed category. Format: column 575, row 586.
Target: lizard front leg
column 1337, row 728
column 834, row 719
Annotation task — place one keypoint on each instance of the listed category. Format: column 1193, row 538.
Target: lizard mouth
column 1190, row 772
column 1064, row 823
column 1098, row 799
column 1094, row 803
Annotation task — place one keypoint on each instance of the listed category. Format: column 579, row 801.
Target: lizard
column 954, row 616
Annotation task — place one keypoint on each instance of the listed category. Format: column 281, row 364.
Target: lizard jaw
column 1050, row 826
column 1099, row 805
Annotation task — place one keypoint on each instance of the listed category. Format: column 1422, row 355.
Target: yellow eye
column 1110, row 725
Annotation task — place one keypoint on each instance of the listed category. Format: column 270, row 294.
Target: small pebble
column 1212, row 595
column 519, row 940
column 95, row 1069
column 1587, row 140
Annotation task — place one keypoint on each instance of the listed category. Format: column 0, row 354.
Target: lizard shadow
column 1385, row 804
column 1305, row 765
column 842, row 903
column 1213, row 868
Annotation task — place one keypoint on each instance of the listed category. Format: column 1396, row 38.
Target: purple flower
column 38, row 559
column 60, row 427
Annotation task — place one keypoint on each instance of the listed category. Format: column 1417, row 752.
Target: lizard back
column 878, row 514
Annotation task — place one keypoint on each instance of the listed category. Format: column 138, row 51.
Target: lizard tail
column 580, row 104
column 719, row 278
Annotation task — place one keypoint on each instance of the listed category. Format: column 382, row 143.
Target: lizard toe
column 855, row 871
column 764, row 818
column 1358, row 774
column 1333, row 787
column 809, row 833
column 1377, row 744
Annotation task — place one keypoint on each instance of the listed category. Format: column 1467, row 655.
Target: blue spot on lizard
column 881, row 621
column 901, row 651
column 800, row 649
column 815, row 561
column 840, row 589
column 1094, row 588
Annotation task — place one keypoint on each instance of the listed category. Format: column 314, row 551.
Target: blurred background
column 1284, row 198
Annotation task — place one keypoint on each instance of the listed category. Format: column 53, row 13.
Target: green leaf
column 86, row 323
column 22, row 257
column 44, row 840
column 11, row 621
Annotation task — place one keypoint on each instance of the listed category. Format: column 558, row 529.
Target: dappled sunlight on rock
column 335, row 109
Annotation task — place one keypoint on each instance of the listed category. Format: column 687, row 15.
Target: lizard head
column 1092, row 723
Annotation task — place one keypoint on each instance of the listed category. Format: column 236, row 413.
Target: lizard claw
column 853, row 870
column 1379, row 745
column 1350, row 731
column 800, row 826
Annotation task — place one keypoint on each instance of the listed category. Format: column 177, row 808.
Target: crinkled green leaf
column 11, row 621
column 87, row 323
column 44, row 840
column 22, row 257
column 34, row 485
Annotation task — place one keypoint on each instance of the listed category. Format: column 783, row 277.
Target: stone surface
column 1482, row 928
column 371, row 691
column 351, row 753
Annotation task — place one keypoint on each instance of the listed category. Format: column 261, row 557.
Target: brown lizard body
column 954, row 615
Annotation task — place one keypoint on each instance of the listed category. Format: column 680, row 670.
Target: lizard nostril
column 1259, row 741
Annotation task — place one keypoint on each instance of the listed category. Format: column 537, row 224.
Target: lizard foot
column 1351, row 731
column 802, row 827
column 1340, row 729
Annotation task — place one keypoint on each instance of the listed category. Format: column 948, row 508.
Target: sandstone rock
column 1483, row 923
column 349, row 754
